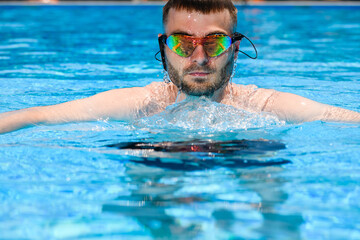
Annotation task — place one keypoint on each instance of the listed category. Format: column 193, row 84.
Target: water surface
column 75, row 181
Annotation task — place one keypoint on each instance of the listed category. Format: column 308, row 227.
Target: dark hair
column 202, row 6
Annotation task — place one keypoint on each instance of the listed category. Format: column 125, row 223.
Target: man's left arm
column 294, row 108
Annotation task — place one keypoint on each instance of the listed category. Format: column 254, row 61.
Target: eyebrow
column 188, row 34
column 181, row 32
column 216, row 32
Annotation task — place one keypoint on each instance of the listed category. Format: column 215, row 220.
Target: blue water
column 72, row 181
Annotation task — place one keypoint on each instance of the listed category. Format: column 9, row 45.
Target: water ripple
column 14, row 46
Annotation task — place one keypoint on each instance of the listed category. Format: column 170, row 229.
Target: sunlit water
column 83, row 180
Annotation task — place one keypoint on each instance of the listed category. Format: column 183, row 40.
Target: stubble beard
column 200, row 86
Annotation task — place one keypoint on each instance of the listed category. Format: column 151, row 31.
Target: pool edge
column 160, row 3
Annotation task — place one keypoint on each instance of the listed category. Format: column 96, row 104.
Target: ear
column 237, row 47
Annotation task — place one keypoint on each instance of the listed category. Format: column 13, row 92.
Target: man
column 204, row 47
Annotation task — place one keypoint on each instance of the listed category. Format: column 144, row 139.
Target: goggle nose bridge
column 200, row 41
column 196, row 42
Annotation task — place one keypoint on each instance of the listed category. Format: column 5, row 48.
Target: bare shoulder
column 123, row 103
column 290, row 107
column 251, row 97
column 163, row 88
column 249, row 89
column 162, row 92
column 156, row 92
column 132, row 93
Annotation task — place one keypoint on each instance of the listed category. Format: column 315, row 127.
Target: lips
column 199, row 74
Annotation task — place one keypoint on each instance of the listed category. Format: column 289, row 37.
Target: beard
column 200, row 86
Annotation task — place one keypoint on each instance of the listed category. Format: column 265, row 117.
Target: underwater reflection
column 214, row 200
column 196, row 154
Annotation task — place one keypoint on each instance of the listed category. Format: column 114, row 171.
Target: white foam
column 202, row 114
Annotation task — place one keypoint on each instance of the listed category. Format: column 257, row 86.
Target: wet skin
column 197, row 75
column 200, row 74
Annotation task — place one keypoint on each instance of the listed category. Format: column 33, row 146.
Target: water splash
column 202, row 114
column 166, row 77
column 231, row 78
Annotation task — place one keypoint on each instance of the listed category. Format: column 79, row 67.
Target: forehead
column 198, row 24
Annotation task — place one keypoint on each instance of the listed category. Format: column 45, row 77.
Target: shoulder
column 155, row 86
column 160, row 86
column 251, row 90
column 252, row 97
column 243, row 89
column 165, row 92
column 154, row 90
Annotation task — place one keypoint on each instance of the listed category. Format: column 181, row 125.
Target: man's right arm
column 118, row 104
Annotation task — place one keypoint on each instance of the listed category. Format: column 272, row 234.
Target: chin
column 199, row 80
column 199, row 94
column 196, row 90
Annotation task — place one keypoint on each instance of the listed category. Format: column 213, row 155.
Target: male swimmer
column 199, row 48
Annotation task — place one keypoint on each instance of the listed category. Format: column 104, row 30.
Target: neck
column 221, row 93
column 217, row 96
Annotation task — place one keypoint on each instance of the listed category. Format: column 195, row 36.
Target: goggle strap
column 238, row 37
column 161, row 41
column 156, row 56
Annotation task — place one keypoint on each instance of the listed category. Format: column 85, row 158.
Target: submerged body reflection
column 174, row 201
column 203, row 154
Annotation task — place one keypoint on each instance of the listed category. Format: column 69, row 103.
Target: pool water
column 199, row 170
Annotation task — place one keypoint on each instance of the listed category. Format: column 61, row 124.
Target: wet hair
column 202, row 6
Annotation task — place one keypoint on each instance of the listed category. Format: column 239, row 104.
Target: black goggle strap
column 162, row 41
column 237, row 37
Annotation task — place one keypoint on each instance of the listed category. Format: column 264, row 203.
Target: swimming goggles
column 214, row 45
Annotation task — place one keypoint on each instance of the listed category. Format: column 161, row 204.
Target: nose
column 199, row 56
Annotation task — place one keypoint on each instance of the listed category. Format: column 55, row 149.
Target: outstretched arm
column 119, row 104
column 294, row 108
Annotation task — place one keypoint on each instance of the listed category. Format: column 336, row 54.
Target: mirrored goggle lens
column 184, row 45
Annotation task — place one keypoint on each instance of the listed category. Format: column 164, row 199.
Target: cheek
column 230, row 54
column 225, row 61
column 175, row 60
